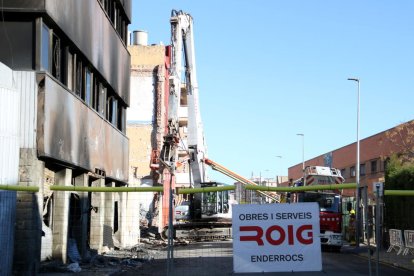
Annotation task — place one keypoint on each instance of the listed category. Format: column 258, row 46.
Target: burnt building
column 70, row 66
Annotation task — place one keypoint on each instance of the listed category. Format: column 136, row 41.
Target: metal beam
column 302, row 188
column 204, row 190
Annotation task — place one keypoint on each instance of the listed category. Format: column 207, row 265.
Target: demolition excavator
column 183, row 79
column 210, row 212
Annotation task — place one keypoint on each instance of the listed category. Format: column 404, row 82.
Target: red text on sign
column 280, row 233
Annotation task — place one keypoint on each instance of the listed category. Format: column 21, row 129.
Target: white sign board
column 378, row 186
column 276, row 237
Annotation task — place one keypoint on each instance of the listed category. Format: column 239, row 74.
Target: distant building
column 374, row 155
column 71, row 69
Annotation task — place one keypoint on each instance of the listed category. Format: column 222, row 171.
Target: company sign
column 276, row 237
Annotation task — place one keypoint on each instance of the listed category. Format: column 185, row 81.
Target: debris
column 74, row 267
column 98, row 261
column 73, row 252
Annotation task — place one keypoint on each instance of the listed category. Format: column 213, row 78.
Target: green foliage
column 399, row 210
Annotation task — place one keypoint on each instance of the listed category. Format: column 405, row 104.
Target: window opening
column 78, row 77
column 70, row 70
column 102, row 100
column 353, row 174
column 56, row 57
column 362, row 169
column 374, row 166
column 88, row 86
column 44, row 55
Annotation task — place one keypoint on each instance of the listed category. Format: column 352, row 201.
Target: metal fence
column 94, row 238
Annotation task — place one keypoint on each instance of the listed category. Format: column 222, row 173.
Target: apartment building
column 70, row 66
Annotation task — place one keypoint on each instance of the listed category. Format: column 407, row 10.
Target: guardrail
column 408, row 242
column 396, row 241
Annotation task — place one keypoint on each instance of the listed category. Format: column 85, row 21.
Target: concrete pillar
column 28, row 227
column 108, row 226
column 129, row 230
column 61, row 216
column 97, row 217
column 122, row 233
column 81, row 235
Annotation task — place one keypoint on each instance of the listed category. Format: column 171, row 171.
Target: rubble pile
column 112, row 261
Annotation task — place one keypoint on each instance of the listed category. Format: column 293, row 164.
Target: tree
column 402, row 137
column 398, row 209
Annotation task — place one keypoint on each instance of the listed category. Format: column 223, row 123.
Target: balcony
column 73, row 133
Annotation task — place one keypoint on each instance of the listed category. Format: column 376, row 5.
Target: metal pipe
column 367, row 233
column 170, row 262
column 105, row 189
column 205, row 189
column 399, row 192
column 19, row 188
column 377, row 228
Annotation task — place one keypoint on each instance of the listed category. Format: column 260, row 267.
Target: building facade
column 70, row 67
column 375, row 152
column 147, row 119
column 147, row 124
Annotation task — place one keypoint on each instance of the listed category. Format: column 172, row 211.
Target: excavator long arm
column 220, row 168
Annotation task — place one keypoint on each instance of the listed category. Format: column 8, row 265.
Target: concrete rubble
column 112, row 261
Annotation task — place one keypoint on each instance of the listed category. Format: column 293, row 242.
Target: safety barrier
column 396, row 241
column 409, row 242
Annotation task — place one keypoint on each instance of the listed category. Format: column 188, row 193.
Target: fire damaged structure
column 71, row 68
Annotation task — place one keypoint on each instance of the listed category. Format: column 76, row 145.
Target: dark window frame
column 45, row 46
column 374, row 166
column 352, row 171
column 362, row 169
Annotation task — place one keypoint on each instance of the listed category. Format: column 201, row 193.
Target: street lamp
column 303, row 150
column 357, row 220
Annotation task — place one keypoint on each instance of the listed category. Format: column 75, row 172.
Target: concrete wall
column 28, row 215
column 146, row 55
column 147, row 119
column 9, row 164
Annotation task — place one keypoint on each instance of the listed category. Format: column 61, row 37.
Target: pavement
column 146, row 259
column 384, row 257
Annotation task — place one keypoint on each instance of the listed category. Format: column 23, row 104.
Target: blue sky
column 268, row 70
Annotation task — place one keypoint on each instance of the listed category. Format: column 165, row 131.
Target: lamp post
column 278, row 171
column 303, row 151
column 357, row 220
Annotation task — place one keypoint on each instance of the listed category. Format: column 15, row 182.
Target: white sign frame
column 276, row 237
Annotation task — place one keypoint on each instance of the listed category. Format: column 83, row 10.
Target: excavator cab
column 214, row 203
